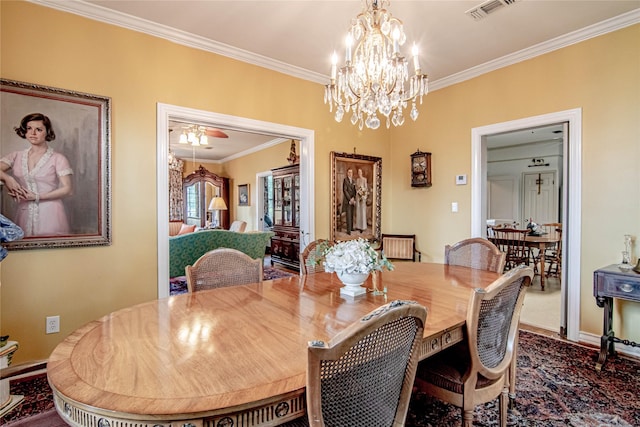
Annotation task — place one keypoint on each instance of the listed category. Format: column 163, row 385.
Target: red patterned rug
column 178, row 285
column 557, row 385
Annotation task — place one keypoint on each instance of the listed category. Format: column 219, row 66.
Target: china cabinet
column 285, row 244
column 199, row 187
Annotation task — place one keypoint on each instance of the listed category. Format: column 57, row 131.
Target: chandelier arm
column 377, row 80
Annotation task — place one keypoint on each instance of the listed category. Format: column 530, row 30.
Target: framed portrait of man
column 356, row 188
column 55, row 165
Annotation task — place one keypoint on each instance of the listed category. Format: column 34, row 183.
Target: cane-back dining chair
column 223, row 267
column 512, row 242
column 312, row 256
column 479, row 369
column 476, row 253
column 364, row 376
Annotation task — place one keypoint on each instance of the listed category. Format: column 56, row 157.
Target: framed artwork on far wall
column 356, row 189
column 65, row 200
column 243, row 195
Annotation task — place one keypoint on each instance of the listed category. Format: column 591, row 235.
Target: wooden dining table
column 543, row 242
column 235, row 356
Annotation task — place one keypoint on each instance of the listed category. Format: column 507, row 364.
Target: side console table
column 608, row 283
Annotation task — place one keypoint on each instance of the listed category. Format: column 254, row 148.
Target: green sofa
column 185, row 249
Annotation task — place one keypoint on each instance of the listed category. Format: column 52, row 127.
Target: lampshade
column 217, row 204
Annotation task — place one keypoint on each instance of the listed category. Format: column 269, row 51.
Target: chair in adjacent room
column 223, row 267
column 364, row 376
column 553, row 256
column 479, row 369
column 400, row 246
column 312, row 255
column 475, row 253
column 512, row 242
column 238, row 226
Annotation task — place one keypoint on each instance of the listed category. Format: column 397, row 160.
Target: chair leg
column 511, row 376
column 467, row 418
column 504, row 398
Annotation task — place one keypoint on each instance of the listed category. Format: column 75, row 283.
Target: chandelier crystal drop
column 375, row 77
column 194, row 135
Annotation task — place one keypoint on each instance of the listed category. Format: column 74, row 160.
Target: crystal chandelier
column 194, row 135
column 375, row 78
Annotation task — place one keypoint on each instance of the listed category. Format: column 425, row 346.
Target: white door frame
column 572, row 179
column 167, row 112
column 259, row 202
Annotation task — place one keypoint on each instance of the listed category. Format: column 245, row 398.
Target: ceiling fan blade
column 216, row 133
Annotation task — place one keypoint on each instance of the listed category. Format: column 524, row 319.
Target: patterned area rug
column 178, row 285
column 557, row 385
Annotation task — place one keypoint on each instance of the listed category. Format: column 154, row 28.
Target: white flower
column 354, row 256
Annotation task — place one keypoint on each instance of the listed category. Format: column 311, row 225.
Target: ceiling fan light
column 183, row 138
column 204, row 140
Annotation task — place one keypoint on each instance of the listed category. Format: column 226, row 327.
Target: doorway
column 571, row 199
column 264, row 202
column 166, row 113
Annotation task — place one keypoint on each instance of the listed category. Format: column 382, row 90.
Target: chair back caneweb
column 223, row 267
column 311, row 259
column 495, row 322
column 511, row 241
column 476, row 253
column 366, row 385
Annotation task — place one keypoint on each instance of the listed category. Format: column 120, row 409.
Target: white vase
column 352, row 283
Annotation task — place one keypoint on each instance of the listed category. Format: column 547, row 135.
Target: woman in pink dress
column 41, row 178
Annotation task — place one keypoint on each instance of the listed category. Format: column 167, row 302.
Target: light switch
column 454, row 206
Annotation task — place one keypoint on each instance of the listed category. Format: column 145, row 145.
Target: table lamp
column 217, row 204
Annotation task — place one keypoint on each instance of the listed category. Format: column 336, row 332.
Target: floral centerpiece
column 353, row 261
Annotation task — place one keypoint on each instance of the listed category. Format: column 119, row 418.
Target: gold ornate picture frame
column 359, row 197
column 81, row 123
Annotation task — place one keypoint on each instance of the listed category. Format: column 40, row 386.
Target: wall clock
column 421, row 169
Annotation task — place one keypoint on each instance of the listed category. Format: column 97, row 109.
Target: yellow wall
column 137, row 71
column 244, row 171
column 601, row 76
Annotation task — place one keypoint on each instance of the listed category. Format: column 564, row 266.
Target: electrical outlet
column 53, row 324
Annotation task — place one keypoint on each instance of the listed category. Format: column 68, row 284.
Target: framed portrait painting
column 55, row 165
column 356, row 188
column 243, row 195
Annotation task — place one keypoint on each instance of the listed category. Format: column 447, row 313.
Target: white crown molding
column 109, row 16
column 595, row 30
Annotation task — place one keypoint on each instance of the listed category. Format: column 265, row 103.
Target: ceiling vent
column 481, row 11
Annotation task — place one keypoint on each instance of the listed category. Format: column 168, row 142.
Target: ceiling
column 220, row 150
column 297, row 37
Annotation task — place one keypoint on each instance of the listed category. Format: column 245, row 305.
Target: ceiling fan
column 197, row 135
